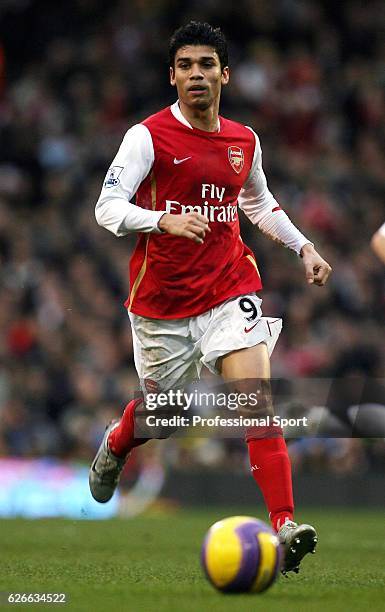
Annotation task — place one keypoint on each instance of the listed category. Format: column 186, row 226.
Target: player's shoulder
column 141, row 133
column 137, row 137
column 162, row 116
column 235, row 126
column 231, row 127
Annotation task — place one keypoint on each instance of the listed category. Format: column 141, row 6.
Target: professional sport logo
column 236, row 158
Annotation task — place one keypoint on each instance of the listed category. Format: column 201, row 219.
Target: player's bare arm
column 317, row 270
column 190, row 225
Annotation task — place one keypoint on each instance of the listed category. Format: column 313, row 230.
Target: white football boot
column 105, row 470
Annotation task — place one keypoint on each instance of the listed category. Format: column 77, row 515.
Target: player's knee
column 253, row 395
column 263, row 432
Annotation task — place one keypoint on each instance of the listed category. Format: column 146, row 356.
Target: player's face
column 198, row 76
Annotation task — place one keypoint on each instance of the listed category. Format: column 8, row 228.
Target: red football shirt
column 193, row 170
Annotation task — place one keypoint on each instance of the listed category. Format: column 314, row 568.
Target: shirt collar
column 175, row 109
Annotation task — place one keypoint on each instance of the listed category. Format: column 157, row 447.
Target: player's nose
column 195, row 72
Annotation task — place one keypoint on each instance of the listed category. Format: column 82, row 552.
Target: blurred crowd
column 308, row 76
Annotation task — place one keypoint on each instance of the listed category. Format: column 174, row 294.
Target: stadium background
column 309, row 77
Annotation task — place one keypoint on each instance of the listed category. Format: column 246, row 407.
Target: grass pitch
column 151, row 564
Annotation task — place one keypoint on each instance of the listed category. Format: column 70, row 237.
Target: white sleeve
column 132, row 164
column 260, row 206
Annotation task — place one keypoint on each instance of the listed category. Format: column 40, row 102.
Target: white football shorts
column 170, row 353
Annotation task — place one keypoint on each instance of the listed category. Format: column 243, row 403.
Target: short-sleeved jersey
column 193, row 170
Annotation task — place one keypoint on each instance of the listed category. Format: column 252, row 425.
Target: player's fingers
column 200, row 230
column 322, row 274
column 199, row 223
column 198, row 217
column 192, row 236
column 201, row 220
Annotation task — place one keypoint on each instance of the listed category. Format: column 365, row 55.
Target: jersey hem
column 142, row 312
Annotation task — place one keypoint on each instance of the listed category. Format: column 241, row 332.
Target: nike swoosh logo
column 250, row 328
column 179, row 161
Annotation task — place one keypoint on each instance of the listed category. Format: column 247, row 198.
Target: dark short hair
column 197, row 33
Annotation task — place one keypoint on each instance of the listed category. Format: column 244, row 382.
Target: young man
column 193, row 282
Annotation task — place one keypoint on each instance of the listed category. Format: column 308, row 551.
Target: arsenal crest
column 236, row 158
column 151, row 385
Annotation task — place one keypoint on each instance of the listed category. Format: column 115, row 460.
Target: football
column 241, row 554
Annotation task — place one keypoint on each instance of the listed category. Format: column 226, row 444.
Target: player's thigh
column 238, row 325
column 163, row 353
column 247, row 372
column 253, row 362
column 238, row 344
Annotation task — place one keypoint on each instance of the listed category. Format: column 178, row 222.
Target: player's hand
column 190, row 225
column 317, row 269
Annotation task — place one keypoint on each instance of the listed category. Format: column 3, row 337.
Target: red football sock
column 122, row 439
column 271, row 469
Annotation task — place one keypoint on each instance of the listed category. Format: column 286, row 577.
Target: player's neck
column 206, row 119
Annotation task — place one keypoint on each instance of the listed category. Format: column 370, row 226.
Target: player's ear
column 225, row 75
column 172, row 76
